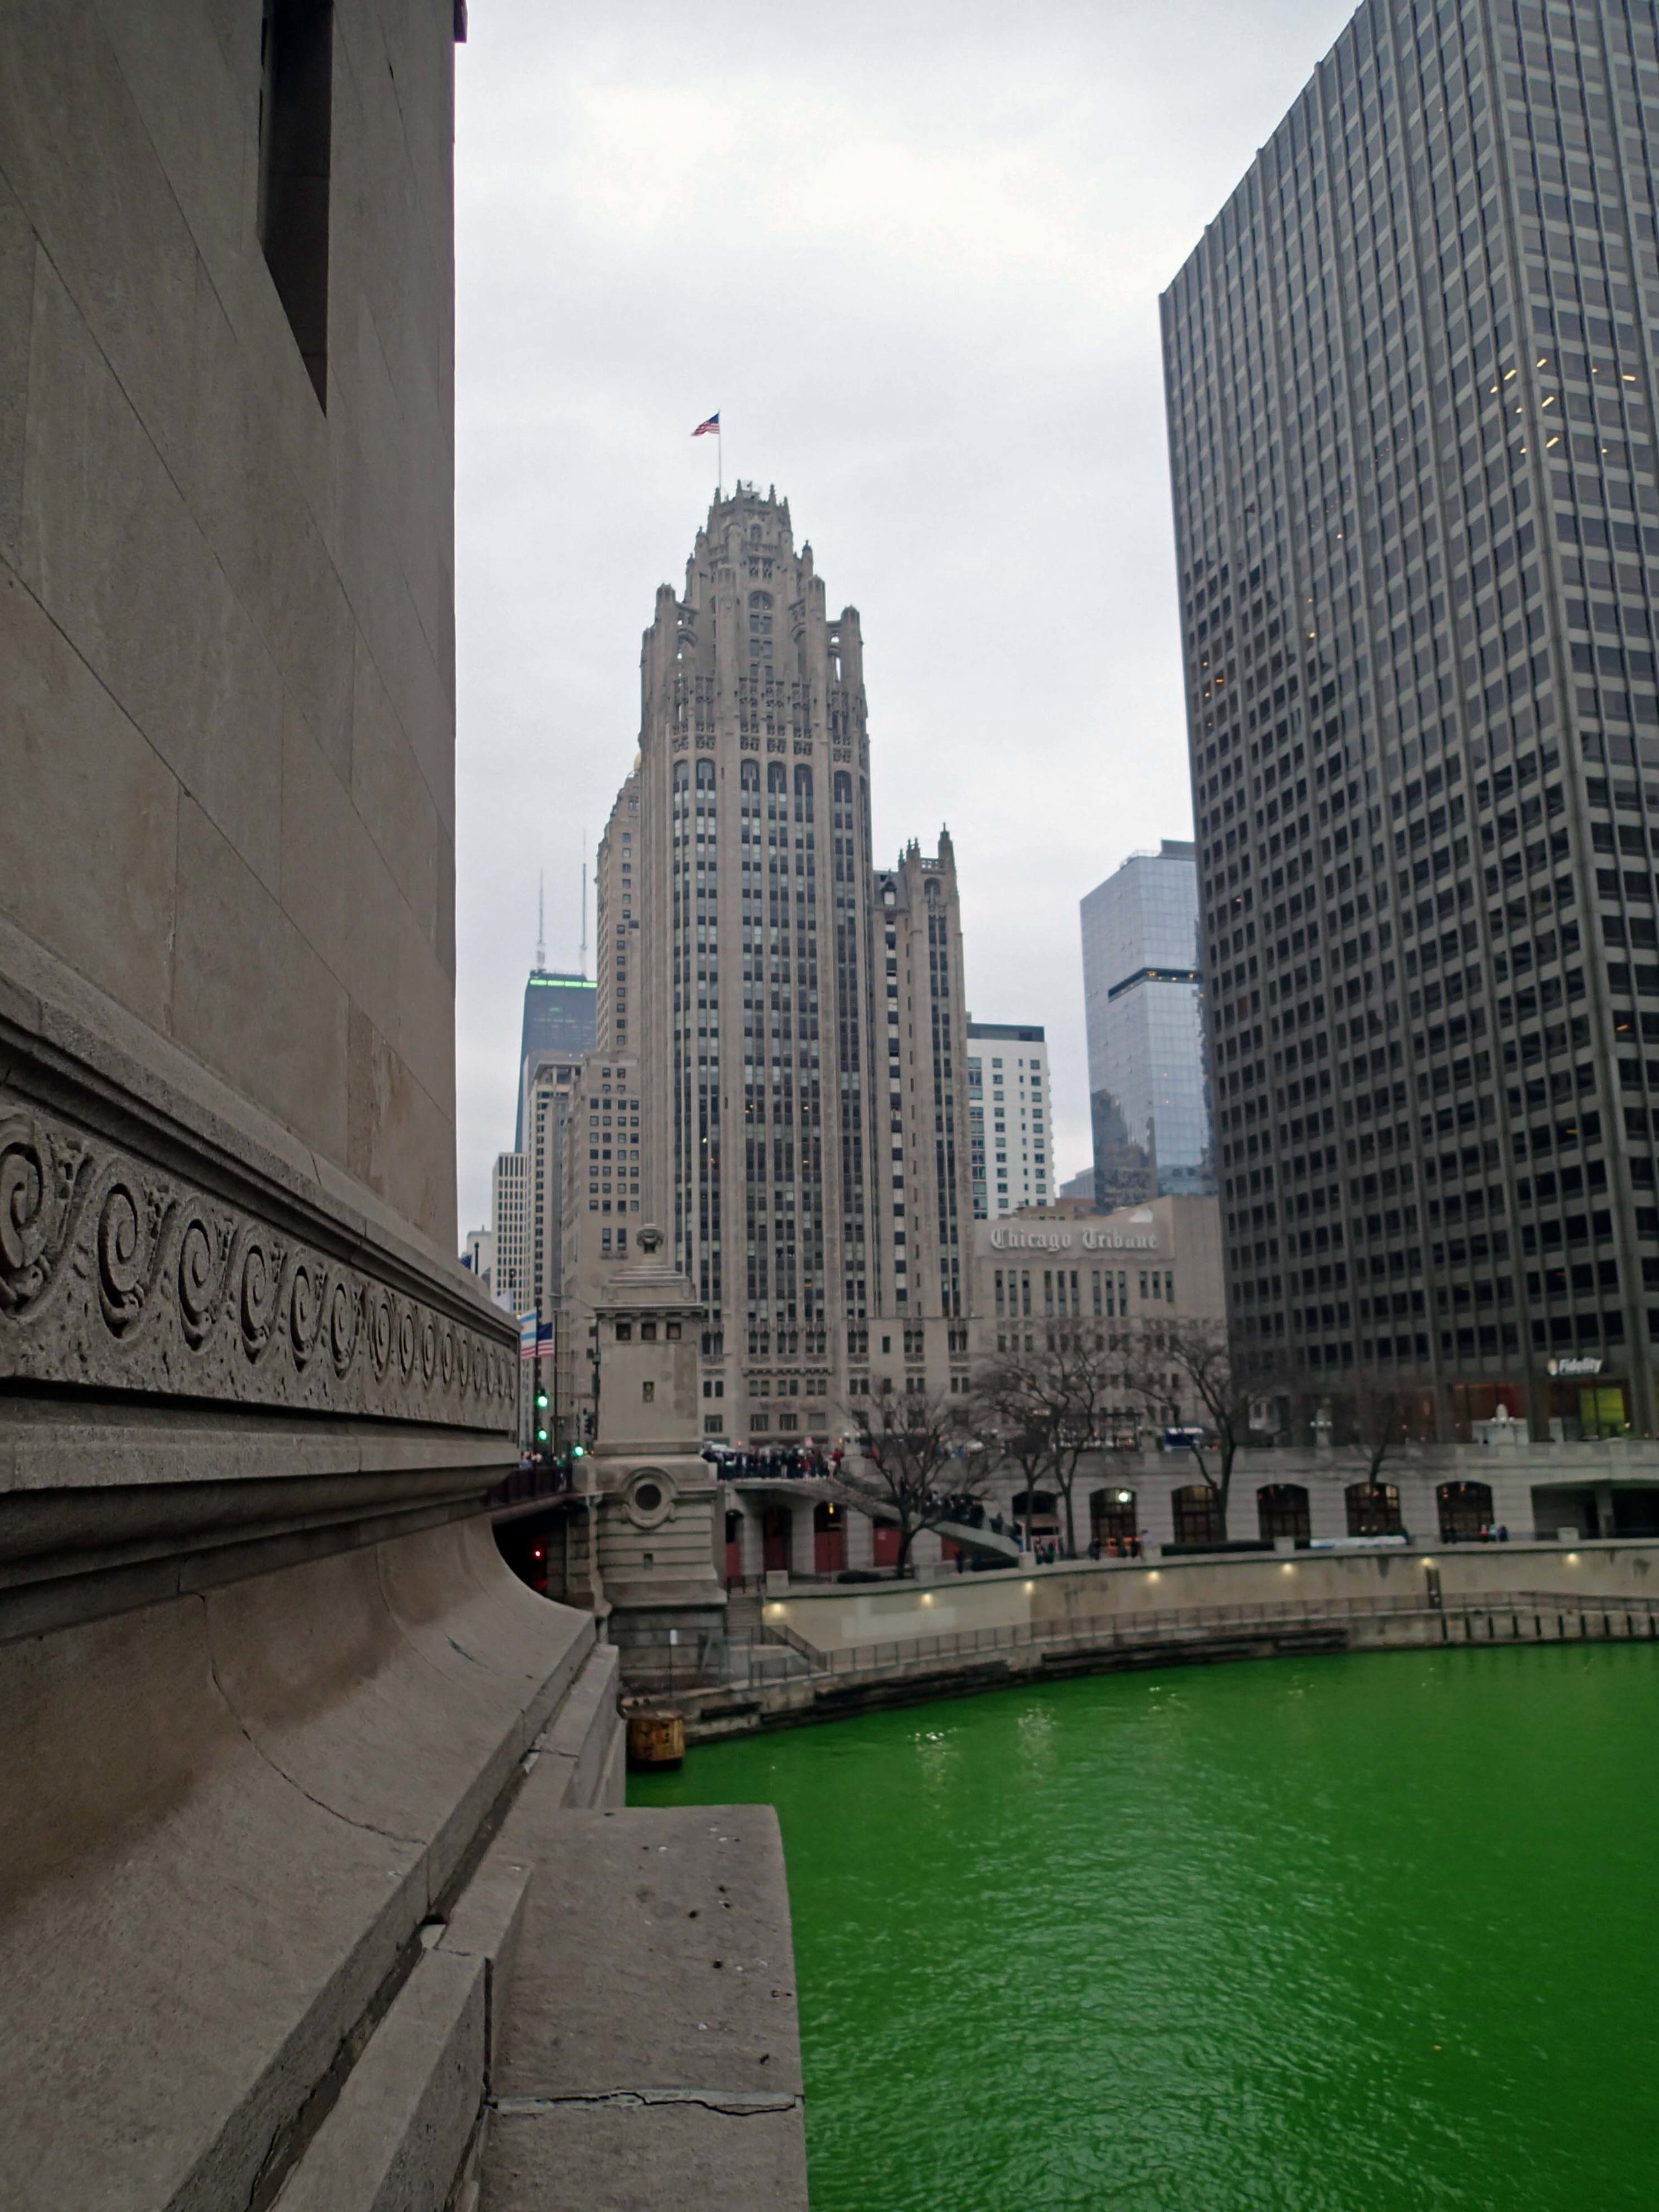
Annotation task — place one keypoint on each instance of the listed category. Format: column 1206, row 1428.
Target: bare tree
column 1377, row 1421
column 910, row 1471
column 1178, row 1365
column 1042, row 1404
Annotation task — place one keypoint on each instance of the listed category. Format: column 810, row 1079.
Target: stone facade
column 263, row 1679
column 796, row 1012
column 659, row 1525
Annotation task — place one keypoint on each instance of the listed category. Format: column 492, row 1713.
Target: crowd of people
column 796, row 1462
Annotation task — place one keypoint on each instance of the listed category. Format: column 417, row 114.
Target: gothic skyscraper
column 796, row 1014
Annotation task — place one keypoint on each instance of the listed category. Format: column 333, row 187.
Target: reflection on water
column 1353, row 1936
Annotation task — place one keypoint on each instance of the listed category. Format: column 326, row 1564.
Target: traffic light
column 541, row 1402
column 578, row 1451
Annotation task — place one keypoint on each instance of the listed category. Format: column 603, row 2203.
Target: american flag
column 710, row 428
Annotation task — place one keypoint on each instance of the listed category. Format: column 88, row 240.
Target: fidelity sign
column 1061, row 1240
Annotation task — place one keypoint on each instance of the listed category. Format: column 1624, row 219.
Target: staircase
column 985, row 1542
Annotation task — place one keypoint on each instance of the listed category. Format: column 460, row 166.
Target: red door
column 775, row 1533
column 886, row 1536
column 828, row 1540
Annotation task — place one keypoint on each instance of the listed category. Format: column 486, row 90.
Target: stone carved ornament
column 116, row 1274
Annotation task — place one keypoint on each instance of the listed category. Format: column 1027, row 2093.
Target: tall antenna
column 541, row 920
column 583, row 902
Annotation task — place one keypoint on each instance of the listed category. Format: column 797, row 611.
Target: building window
column 296, row 131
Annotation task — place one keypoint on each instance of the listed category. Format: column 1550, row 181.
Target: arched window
column 1197, row 1515
column 1111, row 1516
column 705, row 775
column 750, row 773
column 1465, row 1510
column 1282, row 1510
column 802, row 794
column 1374, row 1509
column 775, row 778
column 843, row 787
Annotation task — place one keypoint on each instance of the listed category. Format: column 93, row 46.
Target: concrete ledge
column 652, row 2058
column 284, row 1778
column 484, row 1927
column 410, row 2109
column 395, row 2138
column 624, row 2156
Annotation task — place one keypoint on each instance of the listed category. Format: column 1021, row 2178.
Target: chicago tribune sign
column 1061, row 1240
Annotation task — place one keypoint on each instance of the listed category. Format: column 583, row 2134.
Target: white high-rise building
column 507, row 1225
column 1010, row 1117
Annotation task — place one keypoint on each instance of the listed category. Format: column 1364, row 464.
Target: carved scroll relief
column 116, row 1275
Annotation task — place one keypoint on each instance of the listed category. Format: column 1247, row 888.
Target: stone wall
column 834, row 1620
column 225, row 611
column 265, row 1682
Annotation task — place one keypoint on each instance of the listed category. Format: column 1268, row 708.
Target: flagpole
column 719, row 461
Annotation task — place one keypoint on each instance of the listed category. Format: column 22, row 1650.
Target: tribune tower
column 797, row 1013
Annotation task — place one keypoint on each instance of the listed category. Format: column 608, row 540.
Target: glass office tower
column 558, row 1021
column 1410, row 382
column 1147, row 1107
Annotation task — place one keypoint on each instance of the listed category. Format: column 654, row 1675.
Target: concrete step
column 606, row 2016
column 649, row 2054
column 407, row 2119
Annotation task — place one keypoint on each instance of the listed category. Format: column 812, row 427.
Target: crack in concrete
column 735, row 2104
column 367, row 1827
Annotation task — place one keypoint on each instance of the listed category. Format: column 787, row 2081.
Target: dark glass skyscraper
column 1410, row 380
column 558, row 1024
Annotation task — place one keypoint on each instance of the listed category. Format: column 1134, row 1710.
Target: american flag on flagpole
column 710, row 428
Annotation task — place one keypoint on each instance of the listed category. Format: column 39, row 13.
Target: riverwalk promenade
column 819, row 1652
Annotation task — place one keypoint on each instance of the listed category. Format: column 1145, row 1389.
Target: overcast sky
column 912, row 252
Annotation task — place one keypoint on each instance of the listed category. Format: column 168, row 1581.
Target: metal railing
column 1521, row 1616
column 774, row 1656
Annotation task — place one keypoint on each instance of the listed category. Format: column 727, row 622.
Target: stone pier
column 271, row 1708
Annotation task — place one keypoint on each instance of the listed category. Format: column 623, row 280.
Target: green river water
column 1367, row 1934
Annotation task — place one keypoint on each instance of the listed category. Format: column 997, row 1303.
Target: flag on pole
column 710, row 428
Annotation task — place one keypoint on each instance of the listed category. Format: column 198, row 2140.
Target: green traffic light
column 541, row 1435
column 541, row 1400
column 576, row 1452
